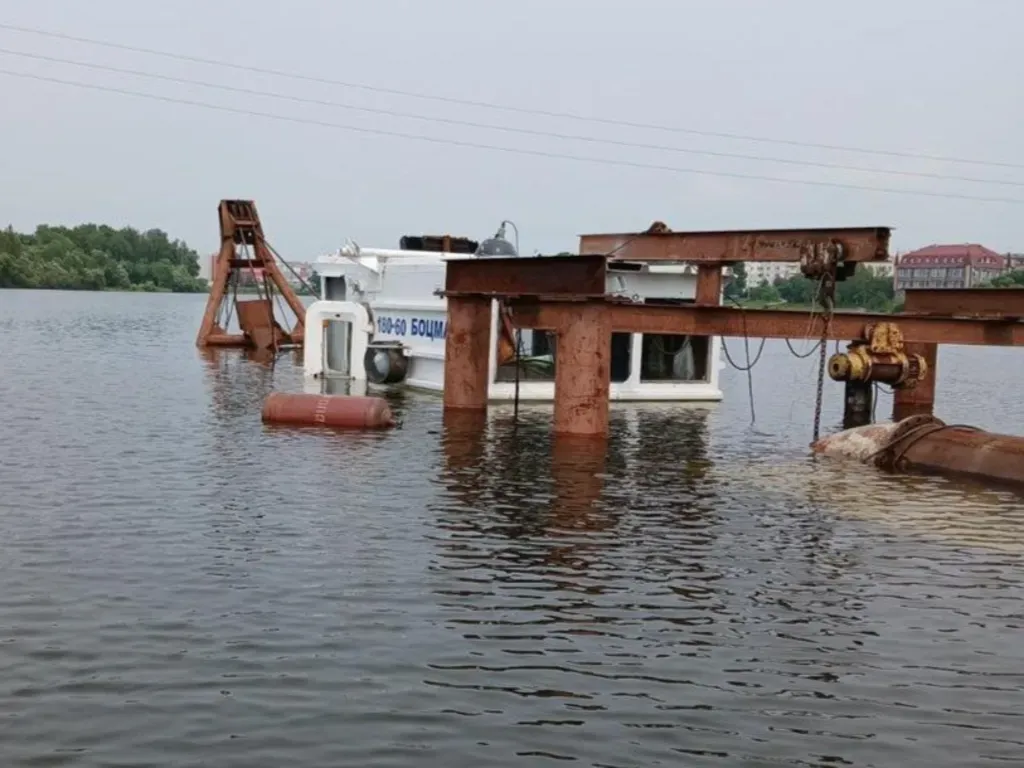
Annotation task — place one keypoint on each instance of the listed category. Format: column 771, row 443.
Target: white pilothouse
column 380, row 321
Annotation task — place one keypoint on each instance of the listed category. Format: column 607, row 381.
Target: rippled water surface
column 180, row 586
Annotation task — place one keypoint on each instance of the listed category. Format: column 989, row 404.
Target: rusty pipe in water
column 929, row 445
column 934, row 446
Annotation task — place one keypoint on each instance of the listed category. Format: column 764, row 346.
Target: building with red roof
column 948, row 266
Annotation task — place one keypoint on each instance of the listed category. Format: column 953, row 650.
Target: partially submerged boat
column 380, row 320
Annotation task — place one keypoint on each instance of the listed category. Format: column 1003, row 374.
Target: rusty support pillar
column 467, row 352
column 583, row 371
column 919, row 400
column 857, row 403
column 709, row 284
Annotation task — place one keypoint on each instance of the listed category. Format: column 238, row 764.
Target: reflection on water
column 961, row 513
column 182, row 586
column 772, row 628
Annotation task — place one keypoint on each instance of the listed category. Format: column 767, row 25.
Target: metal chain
column 827, row 301
column 821, row 381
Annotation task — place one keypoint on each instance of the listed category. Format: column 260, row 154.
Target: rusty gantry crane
column 567, row 295
column 246, row 259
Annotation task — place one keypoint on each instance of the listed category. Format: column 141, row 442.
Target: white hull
column 372, row 297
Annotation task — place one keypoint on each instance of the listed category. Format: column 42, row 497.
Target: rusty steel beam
column 966, row 302
column 731, row 246
column 533, row 275
column 772, row 324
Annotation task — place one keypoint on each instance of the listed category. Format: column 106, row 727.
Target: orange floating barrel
column 343, row 411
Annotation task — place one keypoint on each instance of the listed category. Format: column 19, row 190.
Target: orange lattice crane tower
column 246, row 261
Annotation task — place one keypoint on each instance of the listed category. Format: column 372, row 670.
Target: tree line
column 864, row 290
column 92, row 257
column 1012, row 279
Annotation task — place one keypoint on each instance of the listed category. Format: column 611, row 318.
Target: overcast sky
column 932, row 77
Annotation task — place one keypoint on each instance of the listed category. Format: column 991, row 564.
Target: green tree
column 797, row 290
column 10, row 242
column 863, row 290
column 736, row 287
column 866, row 290
column 1012, row 279
column 765, row 293
column 314, row 282
column 97, row 257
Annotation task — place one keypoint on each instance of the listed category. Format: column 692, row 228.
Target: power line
column 502, row 107
column 498, row 148
column 504, row 128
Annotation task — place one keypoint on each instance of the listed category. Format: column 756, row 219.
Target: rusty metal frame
column 771, row 324
column 557, row 293
column 540, row 291
column 730, row 246
column 1005, row 303
column 578, row 276
column 240, row 225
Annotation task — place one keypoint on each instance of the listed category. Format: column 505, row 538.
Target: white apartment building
column 880, row 268
column 770, row 271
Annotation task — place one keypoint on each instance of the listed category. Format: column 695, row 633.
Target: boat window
column 622, row 344
column 334, row 288
column 667, row 357
column 338, row 344
column 538, row 359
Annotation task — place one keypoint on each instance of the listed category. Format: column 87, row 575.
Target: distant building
column 879, row 268
column 769, row 271
column 948, row 266
column 303, row 273
column 1014, row 261
column 206, row 268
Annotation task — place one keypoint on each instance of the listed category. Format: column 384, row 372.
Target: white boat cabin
column 379, row 320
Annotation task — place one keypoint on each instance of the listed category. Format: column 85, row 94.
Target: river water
column 180, row 586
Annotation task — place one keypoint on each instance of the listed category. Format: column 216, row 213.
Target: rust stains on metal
column 567, row 295
column 881, row 357
column 240, row 227
column 1006, row 303
column 339, row 411
column 256, row 319
column 467, row 352
column 709, row 284
column 583, row 371
column 533, row 276
column 730, row 246
column 920, row 399
column 928, row 444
